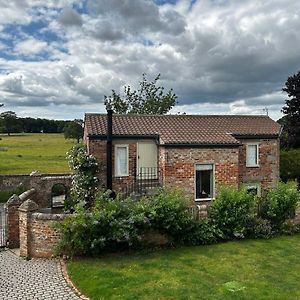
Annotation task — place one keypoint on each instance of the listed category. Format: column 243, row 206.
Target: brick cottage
column 191, row 152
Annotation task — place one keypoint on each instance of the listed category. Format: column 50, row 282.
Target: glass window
column 253, row 188
column 58, row 195
column 204, row 181
column 252, row 155
column 121, row 160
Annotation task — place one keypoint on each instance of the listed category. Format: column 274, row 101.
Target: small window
column 253, row 188
column 121, row 160
column 58, row 195
column 252, row 155
column 204, row 181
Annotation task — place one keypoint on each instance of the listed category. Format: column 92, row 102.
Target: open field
column 250, row 269
column 23, row 153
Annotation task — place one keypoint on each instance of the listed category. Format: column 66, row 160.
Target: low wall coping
column 28, row 206
column 47, row 216
column 56, row 177
column 26, row 194
column 13, row 200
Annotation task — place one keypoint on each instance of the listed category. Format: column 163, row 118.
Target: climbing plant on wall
column 85, row 182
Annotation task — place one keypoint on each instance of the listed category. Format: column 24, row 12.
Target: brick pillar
column 13, row 204
column 25, row 211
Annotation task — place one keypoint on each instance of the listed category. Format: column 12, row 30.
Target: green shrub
column 167, row 213
column 120, row 224
column 260, row 228
column 280, row 203
column 232, row 211
column 202, row 232
column 290, row 165
column 110, row 225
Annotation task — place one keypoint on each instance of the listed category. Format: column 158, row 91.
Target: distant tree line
column 11, row 123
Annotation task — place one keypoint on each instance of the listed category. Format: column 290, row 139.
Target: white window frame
column 116, row 160
column 213, row 182
column 257, row 155
column 256, row 185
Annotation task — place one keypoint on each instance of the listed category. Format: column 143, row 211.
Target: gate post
column 25, row 211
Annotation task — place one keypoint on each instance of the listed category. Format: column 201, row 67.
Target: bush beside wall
column 113, row 225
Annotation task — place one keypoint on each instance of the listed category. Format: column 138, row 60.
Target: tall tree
column 9, row 122
column 148, row 99
column 292, row 110
column 74, row 130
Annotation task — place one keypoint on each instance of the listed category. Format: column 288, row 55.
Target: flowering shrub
column 120, row 224
column 84, row 180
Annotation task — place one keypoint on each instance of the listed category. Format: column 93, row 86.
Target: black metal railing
column 146, row 182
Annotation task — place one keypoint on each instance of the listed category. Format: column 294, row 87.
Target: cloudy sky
column 58, row 58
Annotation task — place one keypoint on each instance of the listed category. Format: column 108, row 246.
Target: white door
column 147, row 160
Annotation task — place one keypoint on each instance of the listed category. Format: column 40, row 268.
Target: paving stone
column 32, row 279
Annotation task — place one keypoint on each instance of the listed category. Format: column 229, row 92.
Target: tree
column 74, row 130
column 148, row 99
column 292, row 111
column 9, row 122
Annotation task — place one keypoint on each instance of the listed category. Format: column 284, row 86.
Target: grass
column 23, row 153
column 5, row 195
column 251, row 269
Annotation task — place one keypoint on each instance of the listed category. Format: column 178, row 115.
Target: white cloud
column 30, row 46
column 234, row 55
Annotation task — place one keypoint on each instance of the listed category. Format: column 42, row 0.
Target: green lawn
column 23, row 153
column 252, row 269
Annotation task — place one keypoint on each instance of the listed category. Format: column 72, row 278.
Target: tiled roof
column 184, row 129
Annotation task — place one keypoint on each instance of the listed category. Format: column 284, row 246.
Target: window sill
column 118, row 176
column 204, row 199
column 256, row 166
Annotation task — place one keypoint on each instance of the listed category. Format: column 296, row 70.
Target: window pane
column 121, row 160
column 204, row 184
column 252, row 155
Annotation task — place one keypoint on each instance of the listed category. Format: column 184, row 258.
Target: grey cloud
column 69, row 17
column 105, row 30
column 135, row 17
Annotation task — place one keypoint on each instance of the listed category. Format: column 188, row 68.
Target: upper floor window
column 121, row 160
column 252, row 155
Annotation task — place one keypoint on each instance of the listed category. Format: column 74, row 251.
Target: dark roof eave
column 255, row 136
column 115, row 136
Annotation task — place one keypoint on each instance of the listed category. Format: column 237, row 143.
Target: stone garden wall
column 40, row 192
column 38, row 236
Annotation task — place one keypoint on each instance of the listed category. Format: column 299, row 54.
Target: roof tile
column 185, row 129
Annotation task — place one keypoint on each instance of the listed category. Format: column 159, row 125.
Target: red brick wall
column 180, row 166
column 177, row 164
column 98, row 149
column 268, row 171
column 38, row 237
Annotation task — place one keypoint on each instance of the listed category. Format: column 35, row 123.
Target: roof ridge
column 184, row 116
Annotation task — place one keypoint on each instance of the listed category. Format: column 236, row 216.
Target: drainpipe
column 109, row 149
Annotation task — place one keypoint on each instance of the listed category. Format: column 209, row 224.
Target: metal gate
column 3, row 226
